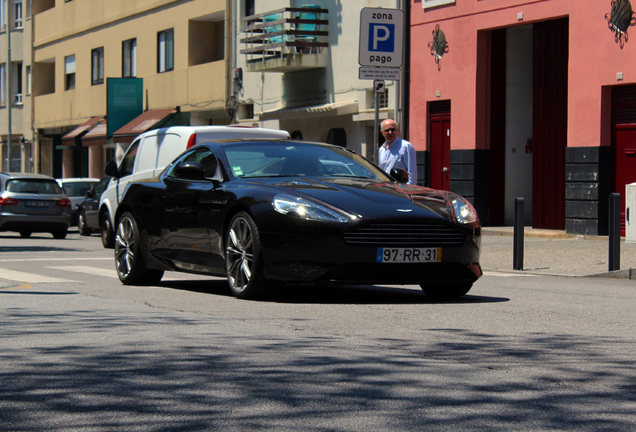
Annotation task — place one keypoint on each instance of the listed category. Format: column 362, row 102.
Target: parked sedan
column 88, row 208
column 76, row 188
column 33, row 203
column 258, row 211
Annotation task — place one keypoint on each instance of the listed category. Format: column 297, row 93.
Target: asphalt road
column 81, row 352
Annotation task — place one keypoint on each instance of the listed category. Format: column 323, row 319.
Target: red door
column 440, row 127
column 624, row 139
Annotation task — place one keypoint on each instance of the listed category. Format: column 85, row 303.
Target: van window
column 128, row 162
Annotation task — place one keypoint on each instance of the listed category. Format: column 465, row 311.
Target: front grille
column 405, row 234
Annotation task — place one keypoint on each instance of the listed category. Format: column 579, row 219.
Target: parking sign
column 381, row 32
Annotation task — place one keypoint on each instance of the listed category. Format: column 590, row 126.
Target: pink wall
column 594, row 60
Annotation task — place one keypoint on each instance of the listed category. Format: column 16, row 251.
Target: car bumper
column 49, row 223
column 304, row 255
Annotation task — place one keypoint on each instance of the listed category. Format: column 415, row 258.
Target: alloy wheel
column 239, row 254
column 124, row 247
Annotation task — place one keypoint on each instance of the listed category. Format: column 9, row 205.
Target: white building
column 296, row 68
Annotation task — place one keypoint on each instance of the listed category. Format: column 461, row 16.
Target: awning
column 81, row 130
column 324, row 110
column 96, row 136
column 143, row 122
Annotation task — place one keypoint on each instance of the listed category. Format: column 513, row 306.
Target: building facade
column 105, row 71
column 15, row 86
column 530, row 99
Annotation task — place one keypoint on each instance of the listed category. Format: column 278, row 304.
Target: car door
column 188, row 212
column 91, row 205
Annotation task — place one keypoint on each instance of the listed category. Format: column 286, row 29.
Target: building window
column 165, row 51
column 383, row 99
column 433, row 3
column 97, row 66
column 17, row 14
column 3, row 15
column 69, row 72
column 249, row 8
column 17, row 82
column 27, row 86
column 3, row 84
column 129, row 58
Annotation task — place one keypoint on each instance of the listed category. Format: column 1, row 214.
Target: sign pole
column 375, row 129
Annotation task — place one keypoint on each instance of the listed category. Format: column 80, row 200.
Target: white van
column 151, row 152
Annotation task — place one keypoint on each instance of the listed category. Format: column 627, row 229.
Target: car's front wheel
column 81, row 225
column 244, row 258
column 129, row 263
column 449, row 290
column 106, row 231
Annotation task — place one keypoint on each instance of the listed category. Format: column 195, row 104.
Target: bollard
column 517, row 259
column 614, row 232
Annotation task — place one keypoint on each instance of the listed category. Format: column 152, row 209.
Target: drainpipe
column 8, row 87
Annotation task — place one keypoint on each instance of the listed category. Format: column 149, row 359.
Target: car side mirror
column 400, row 175
column 111, row 169
column 190, row 171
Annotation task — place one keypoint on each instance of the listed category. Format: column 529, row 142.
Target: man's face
column 389, row 131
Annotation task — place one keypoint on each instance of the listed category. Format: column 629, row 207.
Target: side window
column 128, row 162
column 204, row 156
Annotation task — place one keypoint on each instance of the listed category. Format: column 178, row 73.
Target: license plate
column 409, row 255
column 36, row 204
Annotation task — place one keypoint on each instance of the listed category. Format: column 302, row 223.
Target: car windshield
column 77, row 188
column 297, row 159
column 34, row 186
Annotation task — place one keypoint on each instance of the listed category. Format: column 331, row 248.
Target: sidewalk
column 554, row 252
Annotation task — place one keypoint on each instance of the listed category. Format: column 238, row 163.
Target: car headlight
column 465, row 213
column 306, row 209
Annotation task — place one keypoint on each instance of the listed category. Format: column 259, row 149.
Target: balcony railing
column 287, row 39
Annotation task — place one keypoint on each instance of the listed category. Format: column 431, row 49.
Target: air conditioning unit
column 630, row 213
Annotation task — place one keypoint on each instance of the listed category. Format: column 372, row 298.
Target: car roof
column 77, row 179
column 11, row 175
column 221, row 130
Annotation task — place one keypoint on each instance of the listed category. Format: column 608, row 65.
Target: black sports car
column 293, row 212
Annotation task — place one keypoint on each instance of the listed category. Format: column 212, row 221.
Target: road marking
column 29, row 277
column 112, row 273
column 506, row 275
column 95, row 271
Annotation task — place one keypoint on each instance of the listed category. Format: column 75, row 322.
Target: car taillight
column 8, row 201
column 192, row 141
column 63, row 202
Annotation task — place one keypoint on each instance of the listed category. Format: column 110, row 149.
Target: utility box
column 630, row 213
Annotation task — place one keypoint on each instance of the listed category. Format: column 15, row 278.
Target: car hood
column 367, row 198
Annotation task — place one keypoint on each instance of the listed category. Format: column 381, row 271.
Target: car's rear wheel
column 129, row 262
column 106, row 231
column 25, row 234
column 446, row 290
column 244, row 258
column 60, row 234
column 81, row 225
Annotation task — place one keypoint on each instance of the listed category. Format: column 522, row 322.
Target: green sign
column 124, row 102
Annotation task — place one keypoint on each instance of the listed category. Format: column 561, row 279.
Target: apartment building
column 299, row 71
column 105, row 71
column 16, row 135
column 530, row 99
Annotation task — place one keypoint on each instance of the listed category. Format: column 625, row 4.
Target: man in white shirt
column 396, row 152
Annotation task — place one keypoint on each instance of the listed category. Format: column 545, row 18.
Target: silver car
column 33, row 203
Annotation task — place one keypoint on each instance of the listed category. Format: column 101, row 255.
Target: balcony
column 286, row 40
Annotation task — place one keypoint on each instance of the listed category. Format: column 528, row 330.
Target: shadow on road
column 333, row 294
column 97, row 370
